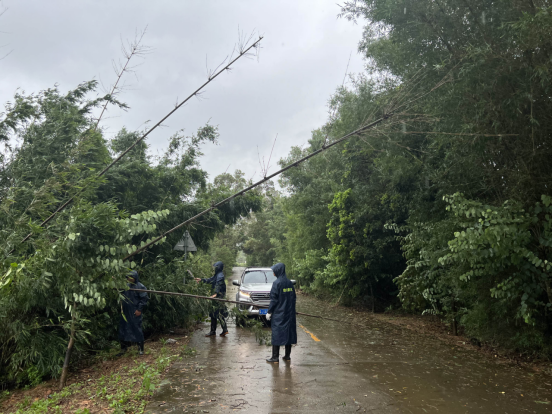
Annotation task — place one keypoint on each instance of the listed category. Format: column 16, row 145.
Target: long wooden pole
column 141, row 138
column 222, row 300
column 266, row 178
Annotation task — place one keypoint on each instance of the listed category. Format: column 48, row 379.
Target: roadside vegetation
column 106, row 384
column 62, row 283
column 447, row 212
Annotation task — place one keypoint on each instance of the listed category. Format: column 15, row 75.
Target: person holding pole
column 282, row 314
column 219, row 288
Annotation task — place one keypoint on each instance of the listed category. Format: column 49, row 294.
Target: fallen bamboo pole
column 266, row 178
column 222, row 300
column 143, row 136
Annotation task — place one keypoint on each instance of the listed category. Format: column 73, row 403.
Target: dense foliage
column 64, row 278
column 445, row 209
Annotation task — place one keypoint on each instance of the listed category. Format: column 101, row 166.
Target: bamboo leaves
column 72, row 268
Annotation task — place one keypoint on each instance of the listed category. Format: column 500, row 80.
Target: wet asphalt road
column 337, row 368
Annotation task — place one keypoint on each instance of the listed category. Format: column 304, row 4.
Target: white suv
column 255, row 287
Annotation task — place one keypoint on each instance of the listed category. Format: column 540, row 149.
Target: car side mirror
column 236, row 282
column 293, row 282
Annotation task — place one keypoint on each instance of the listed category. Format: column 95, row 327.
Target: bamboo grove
column 445, row 208
column 74, row 204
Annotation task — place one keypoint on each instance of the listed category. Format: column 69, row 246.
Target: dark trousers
column 218, row 315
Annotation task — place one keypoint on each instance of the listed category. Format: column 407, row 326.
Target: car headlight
column 245, row 293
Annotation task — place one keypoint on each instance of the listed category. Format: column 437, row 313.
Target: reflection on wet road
column 345, row 369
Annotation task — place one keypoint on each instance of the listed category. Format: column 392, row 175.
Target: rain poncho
column 131, row 329
column 283, row 309
column 219, row 287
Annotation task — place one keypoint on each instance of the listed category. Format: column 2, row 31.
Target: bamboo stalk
column 193, row 94
column 65, row 369
column 266, row 178
column 222, row 300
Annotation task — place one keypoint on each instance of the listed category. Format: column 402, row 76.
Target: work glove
column 269, row 317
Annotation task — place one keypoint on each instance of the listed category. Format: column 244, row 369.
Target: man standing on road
column 130, row 322
column 282, row 314
column 219, row 288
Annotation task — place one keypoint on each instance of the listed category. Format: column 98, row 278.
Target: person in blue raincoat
column 282, row 314
column 132, row 306
column 219, row 290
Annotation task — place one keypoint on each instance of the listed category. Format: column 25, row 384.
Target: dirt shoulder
column 109, row 384
column 433, row 326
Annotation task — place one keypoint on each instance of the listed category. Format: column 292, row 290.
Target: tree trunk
column 372, row 296
column 548, row 290
column 65, row 369
column 454, row 323
column 339, row 298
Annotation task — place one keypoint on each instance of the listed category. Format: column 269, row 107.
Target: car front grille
column 260, row 297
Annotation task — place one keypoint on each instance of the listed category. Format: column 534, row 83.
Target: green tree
column 263, row 231
column 58, row 290
column 469, row 84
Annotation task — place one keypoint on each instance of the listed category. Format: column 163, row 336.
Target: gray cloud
column 303, row 59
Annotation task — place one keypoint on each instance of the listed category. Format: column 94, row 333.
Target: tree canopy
column 446, row 209
column 64, row 278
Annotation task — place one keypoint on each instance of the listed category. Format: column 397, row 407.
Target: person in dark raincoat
column 219, row 290
column 130, row 327
column 282, row 314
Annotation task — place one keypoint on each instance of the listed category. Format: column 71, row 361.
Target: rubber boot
column 141, row 348
column 274, row 357
column 224, row 327
column 213, row 327
column 287, row 351
column 124, row 348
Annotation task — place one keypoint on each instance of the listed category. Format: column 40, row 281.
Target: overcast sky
column 303, row 59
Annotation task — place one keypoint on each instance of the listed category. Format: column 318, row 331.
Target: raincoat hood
column 217, row 282
column 134, row 274
column 218, row 267
column 279, row 270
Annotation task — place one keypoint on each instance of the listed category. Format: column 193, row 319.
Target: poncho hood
column 134, row 274
column 279, row 270
column 218, row 267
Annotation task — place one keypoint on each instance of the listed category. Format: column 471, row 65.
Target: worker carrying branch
column 282, row 314
column 219, row 289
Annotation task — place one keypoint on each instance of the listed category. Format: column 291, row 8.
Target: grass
column 110, row 385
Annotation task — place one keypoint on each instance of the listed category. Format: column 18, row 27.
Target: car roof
column 258, row 269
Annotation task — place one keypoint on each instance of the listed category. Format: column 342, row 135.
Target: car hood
column 266, row 287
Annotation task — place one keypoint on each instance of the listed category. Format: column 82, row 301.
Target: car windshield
column 258, row 277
